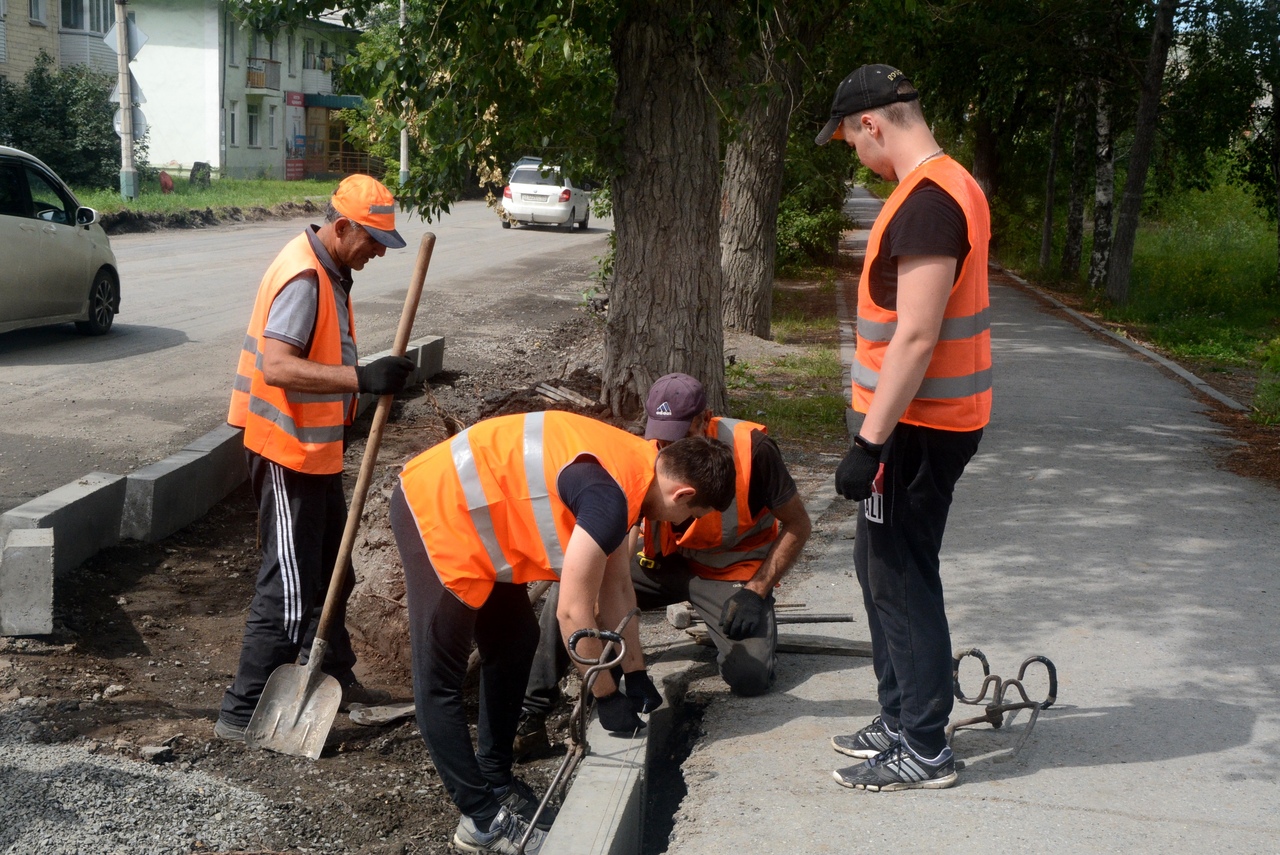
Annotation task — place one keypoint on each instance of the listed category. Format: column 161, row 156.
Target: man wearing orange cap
column 294, row 394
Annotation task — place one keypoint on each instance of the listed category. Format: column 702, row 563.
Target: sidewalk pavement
column 1093, row 527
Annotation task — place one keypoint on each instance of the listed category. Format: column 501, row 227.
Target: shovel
column 299, row 702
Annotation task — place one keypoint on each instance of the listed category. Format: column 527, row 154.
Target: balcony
column 262, row 76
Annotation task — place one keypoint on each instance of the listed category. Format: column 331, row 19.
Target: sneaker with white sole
column 520, row 798
column 873, row 739
column 899, row 768
column 502, row 838
column 228, row 731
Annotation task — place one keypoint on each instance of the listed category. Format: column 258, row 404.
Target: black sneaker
column 873, row 739
column 356, row 692
column 531, row 737
column 899, row 769
column 502, row 837
column 521, row 800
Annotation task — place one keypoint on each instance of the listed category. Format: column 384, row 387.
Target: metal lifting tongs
column 577, row 739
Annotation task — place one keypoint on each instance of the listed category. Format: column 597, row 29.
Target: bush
column 805, row 237
column 1266, row 395
column 63, row 116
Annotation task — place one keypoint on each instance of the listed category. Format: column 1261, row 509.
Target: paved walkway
column 1095, row 528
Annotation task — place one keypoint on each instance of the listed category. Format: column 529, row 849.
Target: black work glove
column 858, row 469
column 616, row 714
column 742, row 614
column 645, row 697
column 385, row 376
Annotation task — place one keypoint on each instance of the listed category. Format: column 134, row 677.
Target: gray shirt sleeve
column 292, row 317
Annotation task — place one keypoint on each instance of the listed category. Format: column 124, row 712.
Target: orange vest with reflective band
column 487, row 504
column 299, row 430
column 729, row 546
column 956, row 391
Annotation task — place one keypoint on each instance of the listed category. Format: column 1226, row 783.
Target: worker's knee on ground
column 746, row 675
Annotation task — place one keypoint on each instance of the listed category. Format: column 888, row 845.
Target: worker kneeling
column 512, row 500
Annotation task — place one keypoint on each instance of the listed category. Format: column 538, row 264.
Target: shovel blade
column 295, row 712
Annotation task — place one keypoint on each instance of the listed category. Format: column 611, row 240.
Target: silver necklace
column 926, row 159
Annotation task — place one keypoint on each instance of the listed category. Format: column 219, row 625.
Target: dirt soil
column 148, row 635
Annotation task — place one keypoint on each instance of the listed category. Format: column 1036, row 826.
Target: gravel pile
column 65, row 799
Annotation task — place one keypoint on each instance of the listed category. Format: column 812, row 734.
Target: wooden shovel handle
column 403, row 332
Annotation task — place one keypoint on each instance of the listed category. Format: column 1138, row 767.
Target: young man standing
column 294, row 394
column 922, row 379
column 512, row 500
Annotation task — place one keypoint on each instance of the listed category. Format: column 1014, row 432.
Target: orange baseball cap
column 367, row 201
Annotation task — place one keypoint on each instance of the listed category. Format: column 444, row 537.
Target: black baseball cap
column 867, row 88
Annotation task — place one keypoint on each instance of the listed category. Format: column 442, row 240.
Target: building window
column 309, row 53
column 72, row 14
column 291, row 46
column 102, row 15
column 271, row 48
column 95, row 16
column 233, row 138
column 253, row 44
column 254, row 114
column 232, row 33
column 4, row 38
column 271, row 126
column 35, row 11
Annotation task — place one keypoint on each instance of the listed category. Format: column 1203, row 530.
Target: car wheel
column 573, row 214
column 104, row 300
column 506, row 224
column 586, row 217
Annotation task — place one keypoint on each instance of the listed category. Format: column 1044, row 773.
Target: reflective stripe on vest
column 302, row 431
column 955, row 393
column 486, row 505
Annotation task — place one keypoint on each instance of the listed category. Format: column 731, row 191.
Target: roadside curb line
column 99, row 510
column 1191, row 379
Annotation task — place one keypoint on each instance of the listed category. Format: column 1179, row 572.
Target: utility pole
column 128, row 174
column 404, row 106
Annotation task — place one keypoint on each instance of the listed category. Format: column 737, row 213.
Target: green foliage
column 222, row 193
column 806, row 236
column 1203, row 277
column 63, row 117
column 1266, row 394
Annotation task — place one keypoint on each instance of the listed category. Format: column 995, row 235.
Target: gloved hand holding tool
column 857, row 471
column 385, row 376
column 742, row 614
column 645, row 697
column 617, row 715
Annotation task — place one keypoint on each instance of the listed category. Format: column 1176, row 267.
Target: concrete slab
column 167, row 495
column 26, row 583
column 84, row 515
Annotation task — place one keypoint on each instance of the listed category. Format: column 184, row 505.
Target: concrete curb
column 99, row 510
column 1195, row 382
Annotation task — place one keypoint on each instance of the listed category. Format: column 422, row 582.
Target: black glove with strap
column 645, row 697
column 742, row 615
column 617, row 715
column 858, row 470
column 385, row 376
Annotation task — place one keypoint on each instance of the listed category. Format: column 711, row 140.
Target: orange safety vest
column 729, row 546
column 956, row 391
column 487, row 504
column 301, row 431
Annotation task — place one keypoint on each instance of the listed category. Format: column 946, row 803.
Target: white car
column 56, row 263
column 542, row 194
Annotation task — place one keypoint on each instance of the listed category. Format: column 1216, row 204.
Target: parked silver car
column 542, row 194
column 56, row 263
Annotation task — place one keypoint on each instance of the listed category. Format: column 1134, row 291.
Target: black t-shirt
column 929, row 222
column 598, row 504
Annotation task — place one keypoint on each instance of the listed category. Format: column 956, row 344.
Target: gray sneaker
column 868, row 742
column 900, row 769
column 521, row 800
column 502, row 838
column 228, row 731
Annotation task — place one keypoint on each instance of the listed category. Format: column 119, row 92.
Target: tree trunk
column 1046, row 231
column 986, row 156
column 1104, row 190
column 664, row 301
column 1074, row 241
column 753, row 164
column 1144, row 137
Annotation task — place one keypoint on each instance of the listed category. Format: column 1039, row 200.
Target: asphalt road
column 162, row 377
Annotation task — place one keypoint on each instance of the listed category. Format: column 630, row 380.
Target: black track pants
column 441, row 630
column 896, row 552
column 301, row 518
